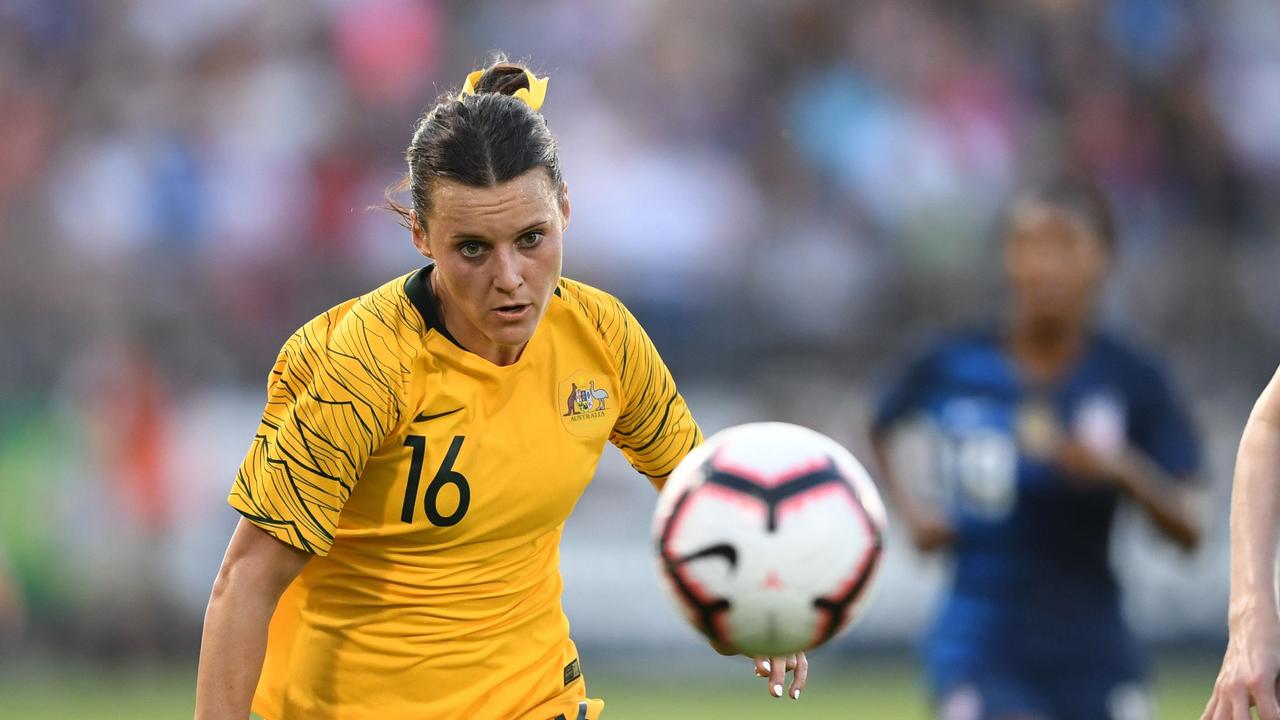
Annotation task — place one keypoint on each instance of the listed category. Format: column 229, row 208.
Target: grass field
column 861, row 691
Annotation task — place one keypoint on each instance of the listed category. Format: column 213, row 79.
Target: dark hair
column 1082, row 197
column 479, row 140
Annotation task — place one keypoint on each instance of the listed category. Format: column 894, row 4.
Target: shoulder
column 374, row 334
column 590, row 301
column 384, row 312
column 1138, row 374
column 598, row 308
column 961, row 358
column 1132, row 361
column 964, row 346
column 968, row 341
column 605, row 323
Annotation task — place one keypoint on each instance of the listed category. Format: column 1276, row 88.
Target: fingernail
column 795, row 694
column 767, row 667
column 777, row 691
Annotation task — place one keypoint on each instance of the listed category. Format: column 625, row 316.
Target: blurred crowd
column 788, row 194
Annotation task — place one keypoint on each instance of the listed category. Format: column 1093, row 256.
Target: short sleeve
column 906, row 393
column 655, row 429
column 1161, row 427
column 332, row 398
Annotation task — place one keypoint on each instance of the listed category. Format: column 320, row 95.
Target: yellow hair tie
column 532, row 95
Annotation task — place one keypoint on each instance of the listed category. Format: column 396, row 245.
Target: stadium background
column 790, row 195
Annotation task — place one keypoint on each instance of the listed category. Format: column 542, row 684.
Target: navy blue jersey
column 1033, row 581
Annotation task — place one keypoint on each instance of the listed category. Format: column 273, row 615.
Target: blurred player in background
column 1046, row 424
column 422, row 445
column 1251, row 668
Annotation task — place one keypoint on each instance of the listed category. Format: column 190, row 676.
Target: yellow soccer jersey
column 433, row 486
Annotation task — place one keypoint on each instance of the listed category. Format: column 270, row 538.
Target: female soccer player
column 1251, row 668
column 421, row 447
column 1046, row 425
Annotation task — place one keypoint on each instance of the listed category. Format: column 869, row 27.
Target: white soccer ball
column 769, row 536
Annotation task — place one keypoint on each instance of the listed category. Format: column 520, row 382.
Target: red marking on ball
column 772, row 581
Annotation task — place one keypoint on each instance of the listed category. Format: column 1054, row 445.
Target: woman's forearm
column 256, row 570
column 232, row 648
column 929, row 530
column 1255, row 512
column 899, row 498
column 1170, row 504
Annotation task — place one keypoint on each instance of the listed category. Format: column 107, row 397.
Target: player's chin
column 1048, row 314
column 507, row 330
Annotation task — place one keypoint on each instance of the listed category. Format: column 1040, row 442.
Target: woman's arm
column 255, row 571
column 1255, row 512
column 1174, row 506
column 1252, row 663
column 929, row 530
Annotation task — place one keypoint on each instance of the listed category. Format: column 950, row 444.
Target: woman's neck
column 1043, row 349
column 471, row 338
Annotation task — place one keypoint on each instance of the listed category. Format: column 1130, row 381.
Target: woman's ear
column 564, row 206
column 420, row 239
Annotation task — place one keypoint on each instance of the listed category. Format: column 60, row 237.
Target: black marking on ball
column 706, row 611
column 722, row 550
column 772, row 497
column 837, row 609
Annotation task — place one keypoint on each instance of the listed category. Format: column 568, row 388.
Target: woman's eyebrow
column 470, row 235
column 534, row 226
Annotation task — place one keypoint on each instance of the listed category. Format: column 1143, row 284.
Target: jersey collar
column 418, row 289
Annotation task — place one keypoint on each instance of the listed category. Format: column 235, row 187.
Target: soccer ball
column 769, row 536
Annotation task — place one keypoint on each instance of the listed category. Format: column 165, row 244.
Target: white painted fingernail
column 777, row 691
column 795, row 694
column 767, row 667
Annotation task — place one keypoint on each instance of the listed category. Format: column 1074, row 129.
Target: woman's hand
column 930, row 533
column 1249, row 673
column 1087, row 468
column 776, row 669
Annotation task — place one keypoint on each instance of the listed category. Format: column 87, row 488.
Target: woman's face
column 1055, row 261
column 497, row 252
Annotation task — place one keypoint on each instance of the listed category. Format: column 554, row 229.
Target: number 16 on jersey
column 445, row 475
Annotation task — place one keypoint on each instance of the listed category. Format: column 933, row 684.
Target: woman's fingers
column 777, row 675
column 800, row 676
column 1240, row 705
column 1262, row 687
column 1210, row 710
column 775, row 670
column 763, row 667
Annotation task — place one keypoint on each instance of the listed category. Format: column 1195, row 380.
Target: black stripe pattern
column 655, row 429
column 334, row 394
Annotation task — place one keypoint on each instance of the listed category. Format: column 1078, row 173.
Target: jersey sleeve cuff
column 286, row 531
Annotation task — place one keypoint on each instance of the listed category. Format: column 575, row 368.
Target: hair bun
column 507, row 78
column 504, row 78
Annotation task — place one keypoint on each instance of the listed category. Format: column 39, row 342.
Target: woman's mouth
column 512, row 312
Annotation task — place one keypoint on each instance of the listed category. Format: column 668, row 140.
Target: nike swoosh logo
column 422, row 417
column 723, row 550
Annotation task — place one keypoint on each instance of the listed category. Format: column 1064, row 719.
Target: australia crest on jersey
column 586, row 403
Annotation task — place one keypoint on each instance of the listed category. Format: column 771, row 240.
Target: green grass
column 859, row 691
column 133, row 695
column 866, row 690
